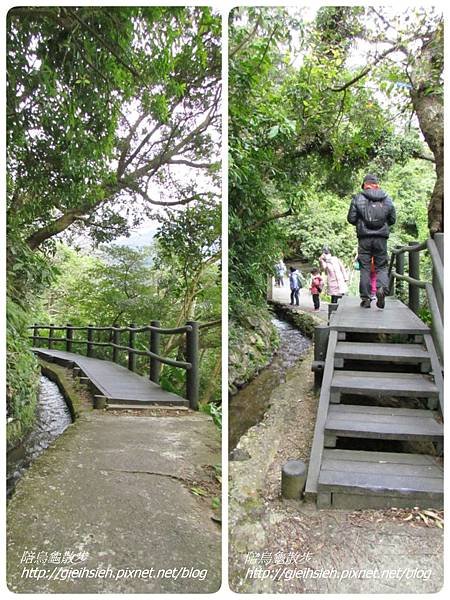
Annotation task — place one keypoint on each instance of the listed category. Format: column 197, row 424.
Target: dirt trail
column 284, row 546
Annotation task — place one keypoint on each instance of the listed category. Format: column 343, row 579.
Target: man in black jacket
column 372, row 212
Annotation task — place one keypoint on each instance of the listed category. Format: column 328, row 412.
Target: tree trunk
column 428, row 101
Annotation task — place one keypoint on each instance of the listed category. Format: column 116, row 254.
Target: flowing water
column 249, row 405
column 52, row 418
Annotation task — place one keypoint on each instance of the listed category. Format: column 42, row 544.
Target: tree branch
column 274, row 217
column 366, row 69
column 103, row 42
column 134, row 187
column 55, row 227
column 182, row 161
column 262, row 222
column 246, row 39
column 428, row 157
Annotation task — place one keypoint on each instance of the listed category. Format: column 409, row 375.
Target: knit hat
column 369, row 178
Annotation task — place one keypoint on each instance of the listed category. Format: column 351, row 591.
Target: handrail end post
column 131, row 342
column 90, row 339
column 69, row 336
column 116, row 340
column 192, row 374
column 35, row 334
column 155, row 364
column 414, row 273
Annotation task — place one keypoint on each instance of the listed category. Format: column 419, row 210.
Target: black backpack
column 375, row 214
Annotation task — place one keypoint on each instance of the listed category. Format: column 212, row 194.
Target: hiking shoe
column 380, row 298
column 365, row 303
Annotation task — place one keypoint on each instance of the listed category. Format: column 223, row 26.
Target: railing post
column 35, row 334
column 115, row 339
column 50, row 336
column 131, row 355
column 414, row 272
column 439, row 241
column 90, row 339
column 155, row 365
column 69, row 336
column 192, row 374
column 400, row 269
column 321, row 335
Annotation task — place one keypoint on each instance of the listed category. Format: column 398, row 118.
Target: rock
column 249, row 535
column 239, row 454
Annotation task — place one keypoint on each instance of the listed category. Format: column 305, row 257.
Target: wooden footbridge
column 378, row 439
column 112, row 377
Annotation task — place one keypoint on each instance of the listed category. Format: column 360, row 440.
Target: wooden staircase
column 379, row 434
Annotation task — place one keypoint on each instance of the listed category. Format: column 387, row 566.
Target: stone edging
column 303, row 321
column 67, row 388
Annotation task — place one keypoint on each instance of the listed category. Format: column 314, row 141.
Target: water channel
column 52, row 418
column 249, row 405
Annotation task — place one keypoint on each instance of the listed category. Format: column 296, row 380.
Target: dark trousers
column 316, row 300
column 294, row 296
column 335, row 299
column 375, row 247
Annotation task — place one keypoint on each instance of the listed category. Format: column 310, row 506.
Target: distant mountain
column 139, row 238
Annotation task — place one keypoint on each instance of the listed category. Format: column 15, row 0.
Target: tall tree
column 111, row 112
column 406, row 55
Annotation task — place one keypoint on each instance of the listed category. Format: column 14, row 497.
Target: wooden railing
column 434, row 290
column 191, row 330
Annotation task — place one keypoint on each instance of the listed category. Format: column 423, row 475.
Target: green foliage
column 301, row 138
column 28, row 272
column 22, row 374
column 173, row 380
column 100, row 102
column 111, row 114
column 215, row 412
column 188, row 245
column 411, row 186
column 111, row 286
column 323, row 221
column 122, row 285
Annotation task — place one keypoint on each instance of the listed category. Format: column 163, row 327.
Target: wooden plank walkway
column 341, row 477
column 116, row 383
column 396, row 317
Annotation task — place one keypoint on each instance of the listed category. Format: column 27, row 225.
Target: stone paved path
column 117, row 491
column 282, row 294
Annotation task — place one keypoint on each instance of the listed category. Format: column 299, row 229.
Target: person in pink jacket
column 337, row 276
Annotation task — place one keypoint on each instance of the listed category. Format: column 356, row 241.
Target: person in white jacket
column 337, row 276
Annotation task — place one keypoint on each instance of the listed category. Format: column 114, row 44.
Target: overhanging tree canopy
column 308, row 119
column 105, row 108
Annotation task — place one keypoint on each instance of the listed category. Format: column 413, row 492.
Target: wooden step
column 355, row 478
column 406, row 385
column 379, row 422
column 153, row 407
column 394, row 353
column 127, row 403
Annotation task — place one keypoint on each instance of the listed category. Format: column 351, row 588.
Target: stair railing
column 434, row 290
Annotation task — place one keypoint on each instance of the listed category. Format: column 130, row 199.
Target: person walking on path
column 373, row 281
column 295, row 284
column 372, row 212
column 316, row 287
column 280, row 271
column 337, row 276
